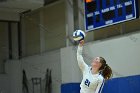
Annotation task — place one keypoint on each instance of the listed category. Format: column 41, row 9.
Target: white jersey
column 91, row 83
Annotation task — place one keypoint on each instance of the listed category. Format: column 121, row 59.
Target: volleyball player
column 95, row 75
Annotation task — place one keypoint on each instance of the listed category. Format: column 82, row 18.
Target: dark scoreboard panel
column 102, row 13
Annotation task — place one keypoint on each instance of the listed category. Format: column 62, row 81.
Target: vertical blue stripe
column 101, row 87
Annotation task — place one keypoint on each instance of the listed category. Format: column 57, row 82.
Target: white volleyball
column 78, row 35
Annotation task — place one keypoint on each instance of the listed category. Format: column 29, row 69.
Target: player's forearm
column 79, row 50
column 80, row 60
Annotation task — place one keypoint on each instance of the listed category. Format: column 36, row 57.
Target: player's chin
column 93, row 66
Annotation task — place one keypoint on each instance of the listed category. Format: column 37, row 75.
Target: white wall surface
column 11, row 81
column 121, row 53
column 4, row 84
column 14, row 72
column 35, row 66
column 69, row 66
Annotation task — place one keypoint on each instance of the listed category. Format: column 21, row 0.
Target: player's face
column 96, row 63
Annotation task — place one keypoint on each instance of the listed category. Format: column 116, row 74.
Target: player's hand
column 81, row 43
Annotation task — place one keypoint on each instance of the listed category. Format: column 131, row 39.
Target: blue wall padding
column 70, row 88
column 129, row 84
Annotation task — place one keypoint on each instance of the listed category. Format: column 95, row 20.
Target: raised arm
column 80, row 59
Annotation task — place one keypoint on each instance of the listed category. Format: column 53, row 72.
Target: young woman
column 94, row 76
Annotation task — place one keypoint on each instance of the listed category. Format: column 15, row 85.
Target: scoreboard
column 102, row 13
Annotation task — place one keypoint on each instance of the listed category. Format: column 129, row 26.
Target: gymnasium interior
column 38, row 54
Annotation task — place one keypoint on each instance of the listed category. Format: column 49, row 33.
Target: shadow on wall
column 129, row 84
column 37, row 84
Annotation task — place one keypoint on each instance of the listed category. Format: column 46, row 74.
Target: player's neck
column 94, row 71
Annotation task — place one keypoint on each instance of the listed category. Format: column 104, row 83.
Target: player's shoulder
column 86, row 70
column 100, row 78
